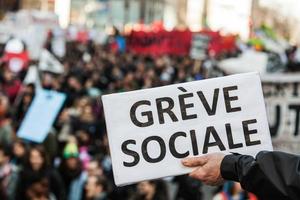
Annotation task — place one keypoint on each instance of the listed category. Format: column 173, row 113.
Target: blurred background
column 58, row 57
column 226, row 16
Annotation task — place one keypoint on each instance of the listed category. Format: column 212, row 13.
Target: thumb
column 195, row 161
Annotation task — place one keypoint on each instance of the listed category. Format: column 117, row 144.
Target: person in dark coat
column 35, row 170
column 151, row 190
column 72, row 173
column 188, row 188
column 8, row 175
column 271, row 175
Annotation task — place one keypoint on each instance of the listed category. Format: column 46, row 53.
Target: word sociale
column 165, row 106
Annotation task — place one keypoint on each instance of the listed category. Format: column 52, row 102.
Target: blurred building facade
column 8, row 5
column 47, row 5
column 282, row 16
column 240, row 17
column 117, row 12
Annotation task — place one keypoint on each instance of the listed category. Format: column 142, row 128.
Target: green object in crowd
column 269, row 32
column 256, row 42
column 71, row 150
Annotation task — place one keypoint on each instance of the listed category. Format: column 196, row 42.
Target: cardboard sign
column 41, row 115
column 150, row 131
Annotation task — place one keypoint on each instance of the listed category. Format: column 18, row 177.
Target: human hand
column 208, row 168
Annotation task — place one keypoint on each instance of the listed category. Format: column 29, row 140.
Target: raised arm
column 271, row 175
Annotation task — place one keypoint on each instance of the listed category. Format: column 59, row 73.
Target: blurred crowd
column 74, row 162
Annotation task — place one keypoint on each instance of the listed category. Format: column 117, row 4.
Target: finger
column 195, row 161
column 198, row 174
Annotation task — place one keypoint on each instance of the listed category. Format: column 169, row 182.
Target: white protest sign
column 282, row 97
column 59, row 42
column 41, row 115
column 150, row 131
column 199, row 46
column 248, row 61
column 32, row 76
column 48, row 62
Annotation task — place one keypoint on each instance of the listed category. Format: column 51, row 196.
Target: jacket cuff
column 228, row 167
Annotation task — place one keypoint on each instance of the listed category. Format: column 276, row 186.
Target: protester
column 271, row 175
column 71, row 171
column 8, row 175
column 22, row 103
column 151, row 190
column 96, row 188
column 19, row 151
column 39, row 190
column 188, row 188
column 6, row 129
column 10, row 84
column 94, row 168
column 37, row 169
column 233, row 191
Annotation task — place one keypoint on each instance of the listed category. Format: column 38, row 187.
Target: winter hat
column 71, row 151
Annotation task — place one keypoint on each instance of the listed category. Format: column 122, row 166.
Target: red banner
column 177, row 42
column 220, row 44
column 161, row 42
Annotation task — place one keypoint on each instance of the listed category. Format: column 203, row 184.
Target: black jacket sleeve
column 270, row 176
